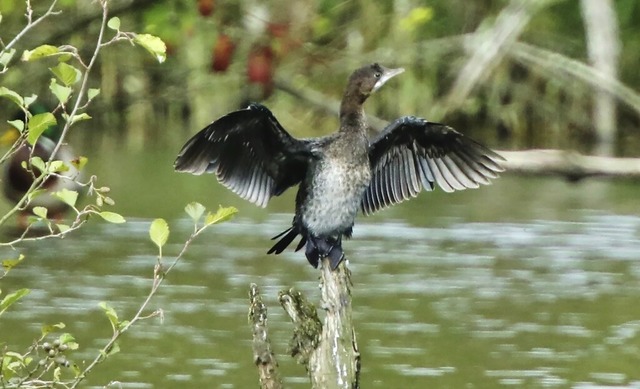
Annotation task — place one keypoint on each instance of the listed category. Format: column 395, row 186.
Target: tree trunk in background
column 487, row 50
column 603, row 47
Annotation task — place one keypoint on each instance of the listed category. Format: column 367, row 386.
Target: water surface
column 529, row 283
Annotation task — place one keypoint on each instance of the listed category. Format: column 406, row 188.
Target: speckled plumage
column 252, row 155
column 334, row 192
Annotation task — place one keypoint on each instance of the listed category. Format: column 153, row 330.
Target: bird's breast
column 334, row 195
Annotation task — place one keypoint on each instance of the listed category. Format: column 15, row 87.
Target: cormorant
column 254, row 156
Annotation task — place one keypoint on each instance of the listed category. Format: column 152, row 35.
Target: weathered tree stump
column 328, row 349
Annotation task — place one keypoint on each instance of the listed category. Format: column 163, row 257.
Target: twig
column 39, row 181
column 263, row 357
column 83, row 21
column 30, row 25
column 159, row 275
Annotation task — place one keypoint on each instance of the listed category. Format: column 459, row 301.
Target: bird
column 17, row 178
column 337, row 175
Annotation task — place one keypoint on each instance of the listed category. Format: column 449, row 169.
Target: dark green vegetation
column 221, row 55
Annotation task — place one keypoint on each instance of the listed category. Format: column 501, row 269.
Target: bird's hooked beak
column 387, row 74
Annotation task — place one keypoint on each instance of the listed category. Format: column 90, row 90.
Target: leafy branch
column 159, row 234
column 63, row 86
column 31, row 374
column 71, row 86
column 7, row 51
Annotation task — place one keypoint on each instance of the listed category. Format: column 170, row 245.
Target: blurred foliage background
column 223, row 53
column 515, row 74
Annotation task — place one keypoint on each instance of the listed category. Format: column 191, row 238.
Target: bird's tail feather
column 315, row 248
column 286, row 237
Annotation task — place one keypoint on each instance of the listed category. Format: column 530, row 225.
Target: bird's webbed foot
column 321, row 247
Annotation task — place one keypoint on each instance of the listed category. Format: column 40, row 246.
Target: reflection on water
column 453, row 302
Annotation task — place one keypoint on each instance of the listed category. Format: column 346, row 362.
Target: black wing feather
column 412, row 154
column 249, row 152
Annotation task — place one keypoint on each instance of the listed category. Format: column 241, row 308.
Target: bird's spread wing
column 249, row 152
column 412, row 154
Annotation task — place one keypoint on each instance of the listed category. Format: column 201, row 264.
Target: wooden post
column 335, row 363
column 329, row 350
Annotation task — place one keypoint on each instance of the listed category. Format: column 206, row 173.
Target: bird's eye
column 377, row 75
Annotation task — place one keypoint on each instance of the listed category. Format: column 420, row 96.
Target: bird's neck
column 352, row 117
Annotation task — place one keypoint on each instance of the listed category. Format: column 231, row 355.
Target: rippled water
column 509, row 286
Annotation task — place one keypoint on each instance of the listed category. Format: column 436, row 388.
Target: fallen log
column 571, row 165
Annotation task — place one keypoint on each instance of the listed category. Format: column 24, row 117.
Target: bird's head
column 370, row 78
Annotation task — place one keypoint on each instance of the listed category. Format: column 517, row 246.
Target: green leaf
column 28, row 100
column 63, row 227
column 37, row 163
column 153, row 44
column 93, row 92
column 112, row 217
column 39, row 52
column 66, row 338
column 114, row 23
column 115, row 348
column 11, row 298
column 79, row 162
column 159, row 232
column 67, row 196
column 66, row 73
column 18, row 124
column 40, row 212
column 223, row 214
column 416, row 18
column 15, row 355
column 9, row 264
column 76, row 370
column 38, row 124
column 123, row 324
column 57, row 167
column 195, row 210
column 49, row 328
column 60, row 91
column 77, row 118
column 11, row 95
column 111, row 314
column 6, row 57
column 64, row 57
column 35, row 193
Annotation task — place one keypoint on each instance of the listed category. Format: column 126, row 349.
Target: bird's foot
column 329, row 247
